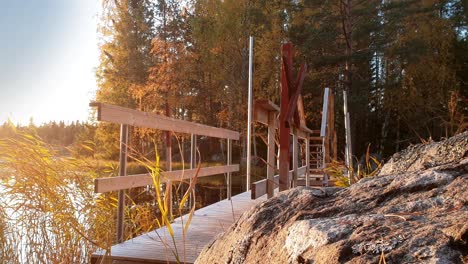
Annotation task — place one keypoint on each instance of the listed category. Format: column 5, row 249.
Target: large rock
column 415, row 211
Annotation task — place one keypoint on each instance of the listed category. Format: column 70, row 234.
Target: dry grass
column 48, row 211
column 165, row 203
column 336, row 170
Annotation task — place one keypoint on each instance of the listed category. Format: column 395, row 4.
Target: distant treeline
column 61, row 135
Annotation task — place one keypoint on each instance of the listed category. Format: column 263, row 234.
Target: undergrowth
column 337, row 170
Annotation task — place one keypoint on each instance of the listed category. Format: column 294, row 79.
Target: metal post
column 122, row 172
column 349, row 150
column 249, row 118
column 229, row 161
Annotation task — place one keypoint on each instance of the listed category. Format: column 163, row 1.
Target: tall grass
column 165, row 203
column 48, row 211
column 336, row 170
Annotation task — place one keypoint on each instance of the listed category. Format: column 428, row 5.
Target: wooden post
column 324, row 131
column 284, row 130
column 271, row 158
column 229, row 161
column 193, row 159
column 307, row 149
column 121, row 194
column 333, row 148
column 295, row 158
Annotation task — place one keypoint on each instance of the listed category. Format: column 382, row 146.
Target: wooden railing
column 129, row 117
column 327, row 131
column 260, row 188
column 266, row 112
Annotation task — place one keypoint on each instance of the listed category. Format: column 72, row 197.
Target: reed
column 48, row 211
column 165, row 203
column 336, row 170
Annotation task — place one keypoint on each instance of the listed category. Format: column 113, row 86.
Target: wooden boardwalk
column 206, row 224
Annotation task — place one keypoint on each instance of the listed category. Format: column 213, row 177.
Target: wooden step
column 316, row 171
column 315, row 145
column 313, row 177
column 315, row 139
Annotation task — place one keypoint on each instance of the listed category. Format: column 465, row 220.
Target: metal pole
column 348, row 151
column 249, row 117
column 122, row 172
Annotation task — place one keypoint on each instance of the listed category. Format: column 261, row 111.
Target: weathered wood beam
column 284, row 130
column 102, row 185
column 122, row 115
column 293, row 100
column 271, row 157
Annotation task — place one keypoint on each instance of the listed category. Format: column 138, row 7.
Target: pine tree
column 127, row 31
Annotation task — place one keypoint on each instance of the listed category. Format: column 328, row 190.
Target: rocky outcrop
column 415, row 211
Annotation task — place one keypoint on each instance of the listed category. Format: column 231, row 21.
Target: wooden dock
column 206, row 224
column 157, row 246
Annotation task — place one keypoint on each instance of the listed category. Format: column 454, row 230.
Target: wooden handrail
column 102, row 185
column 262, row 110
column 122, row 115
column 323, row 127
column 260, row 188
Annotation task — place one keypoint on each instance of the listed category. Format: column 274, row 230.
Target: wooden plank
column 206, row 224
column 302, row 170
column 267, row 105
column 271, row 157
column 316, row 138
column 260, row 115
column 259, row 188
column 316, row 171
column 102, row 185
column 122, row 115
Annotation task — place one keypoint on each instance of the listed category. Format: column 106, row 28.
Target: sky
column 48, row 55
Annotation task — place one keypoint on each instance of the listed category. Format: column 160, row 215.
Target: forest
column 404, row 64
